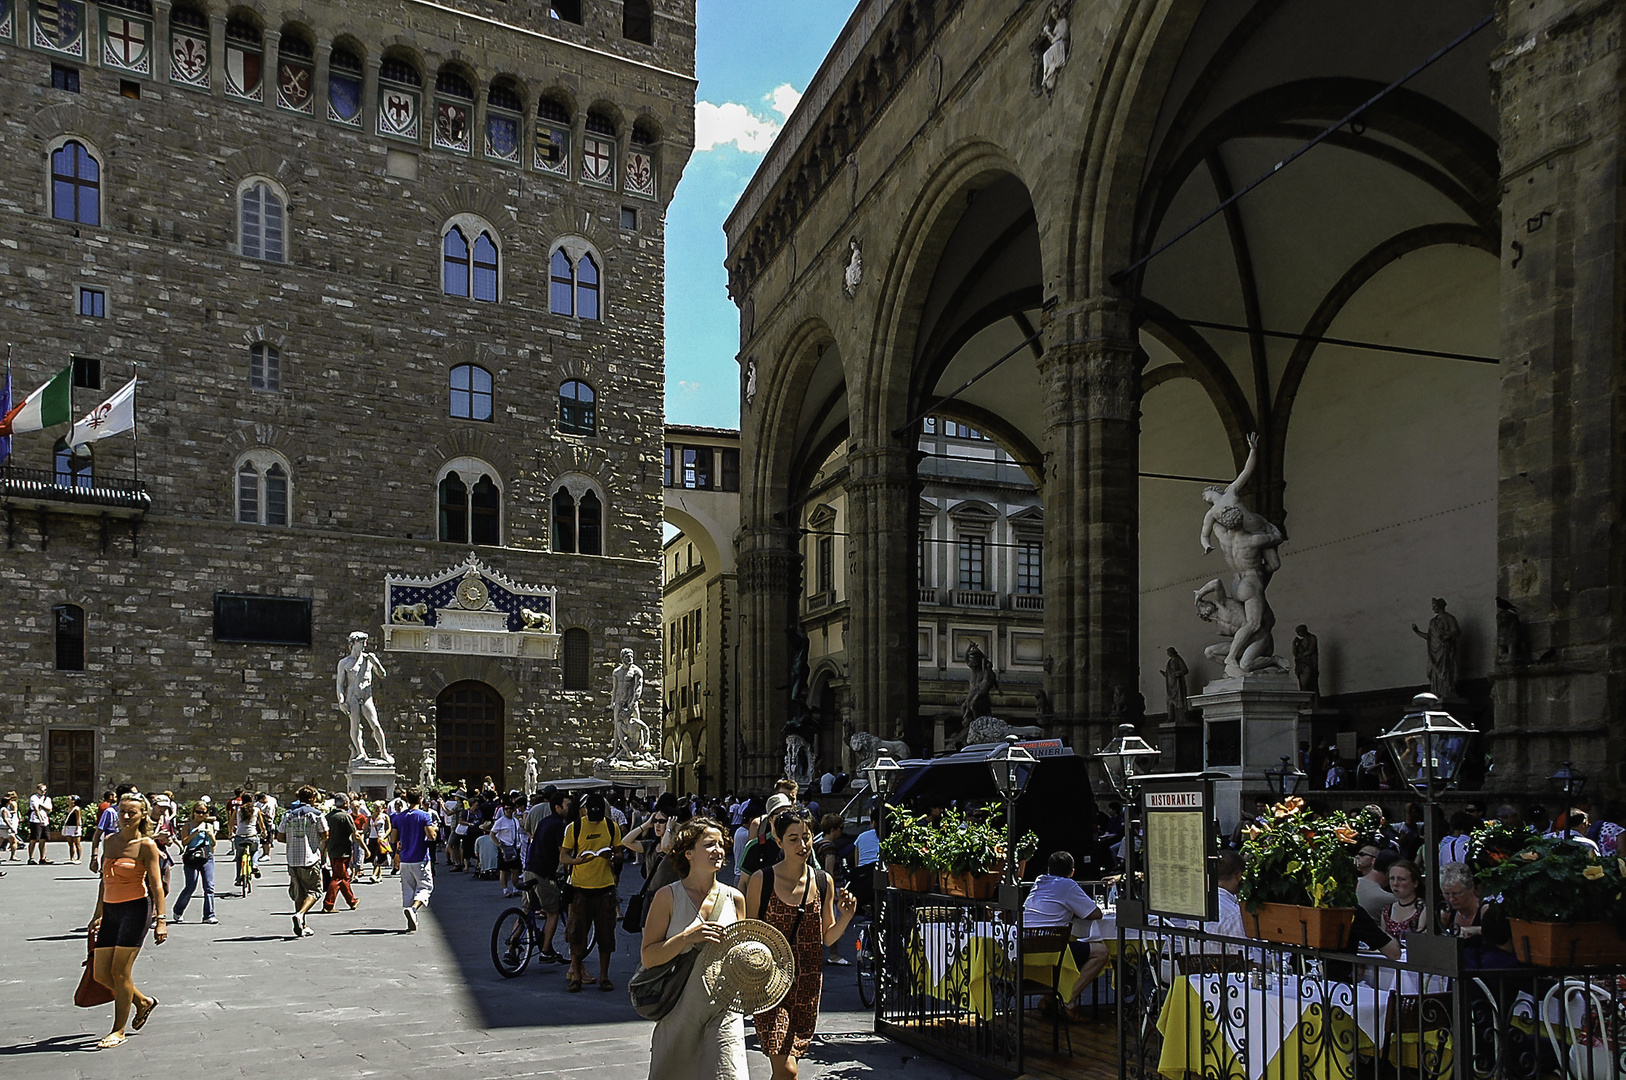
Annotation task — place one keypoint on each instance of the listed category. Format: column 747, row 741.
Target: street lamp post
column 1012, row 768
column 1428, row 746
column 1569, row 782
column 880, row 774
column 1126, row 758
column 1285, row 780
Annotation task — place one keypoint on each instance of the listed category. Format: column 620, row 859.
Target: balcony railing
column 976, row 598
column 43, row 489
column 927, row 596
column 1027, row 602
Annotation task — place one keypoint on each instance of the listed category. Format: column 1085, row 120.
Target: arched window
column 562, row 284
column 553, row 135
column 454, row 111
column 463, row 275
column 400, row 97
column 566, row 10
column 590, row 525
column 471, row 392
column 578, row 522
column 636, row 21
column 454, row 278
column 296, row 70
column 578, row 413
column 587, row 288
column 260, row 224
column 576, row 658
column 598, row 149
column 485, row 269
column 262, row 489
column 76, row 184
column 503, row 110
column 73, row 465
column 564, row 521
column 245, row 55
column 264, row 367
column 469, row 500
column 70, row 637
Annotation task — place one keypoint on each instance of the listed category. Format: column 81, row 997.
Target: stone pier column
column 1090, row 383
column 770, row 575
column 883, row 499
column 1561, row 551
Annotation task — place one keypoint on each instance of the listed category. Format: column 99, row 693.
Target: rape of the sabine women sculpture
column 353, row 682
column 1249, row 544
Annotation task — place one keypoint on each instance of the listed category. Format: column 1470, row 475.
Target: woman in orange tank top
column 131, row 891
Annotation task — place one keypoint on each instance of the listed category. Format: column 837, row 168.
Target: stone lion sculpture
column 869, row 747
column 989, row 729
column 539, row 621
column 412, row 614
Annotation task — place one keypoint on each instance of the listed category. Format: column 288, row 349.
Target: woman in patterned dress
column 804, row 906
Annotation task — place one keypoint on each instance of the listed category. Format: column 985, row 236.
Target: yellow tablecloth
column 957, row 970
column 1313, row 1043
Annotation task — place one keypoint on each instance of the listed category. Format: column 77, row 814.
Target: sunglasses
column 660, row 821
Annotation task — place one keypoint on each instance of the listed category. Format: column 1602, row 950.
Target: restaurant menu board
column 1179, row 837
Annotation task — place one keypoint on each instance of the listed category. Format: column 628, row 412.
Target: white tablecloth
column 941, row 944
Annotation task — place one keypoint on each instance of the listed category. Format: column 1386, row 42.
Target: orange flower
column 1292, row 805
column 1345, row 834
column 1529, row 856
column 1593, row 873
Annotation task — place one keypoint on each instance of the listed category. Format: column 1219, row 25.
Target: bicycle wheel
column 865, row 966
column 512, row 939
column 245, row 874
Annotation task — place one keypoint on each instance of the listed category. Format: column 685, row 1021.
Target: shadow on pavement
column 53, row 1046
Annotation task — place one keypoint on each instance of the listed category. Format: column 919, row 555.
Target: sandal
column 141, row 1014
column 573, row 985
column 606, row 985
column 110, row 1042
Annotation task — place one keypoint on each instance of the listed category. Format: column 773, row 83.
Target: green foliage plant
column 1302, row 858
column 1546, row 878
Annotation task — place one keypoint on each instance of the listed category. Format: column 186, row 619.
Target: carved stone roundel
column 472, row 593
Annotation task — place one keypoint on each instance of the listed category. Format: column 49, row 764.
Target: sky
column 755, row 58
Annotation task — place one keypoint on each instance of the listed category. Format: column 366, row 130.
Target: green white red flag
column 48, row 407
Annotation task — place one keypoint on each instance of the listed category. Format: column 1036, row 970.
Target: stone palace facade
column 391, row 276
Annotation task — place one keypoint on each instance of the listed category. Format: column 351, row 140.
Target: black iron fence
column 950, row 979
column 48, row 486
column 1220, row 1008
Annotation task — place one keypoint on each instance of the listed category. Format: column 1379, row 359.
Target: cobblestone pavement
column 360, row 998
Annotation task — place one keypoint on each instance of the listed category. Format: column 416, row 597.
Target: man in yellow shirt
column 589, row 849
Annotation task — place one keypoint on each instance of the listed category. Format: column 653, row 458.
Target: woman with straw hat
column 702, row 1038
column 803, row 904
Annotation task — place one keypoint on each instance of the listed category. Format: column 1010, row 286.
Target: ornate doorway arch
column 469, row 735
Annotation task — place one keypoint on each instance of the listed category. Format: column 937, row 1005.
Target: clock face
column 472, row 593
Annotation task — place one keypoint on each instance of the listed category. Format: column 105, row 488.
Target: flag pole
column 7, row 455
column 135, row 427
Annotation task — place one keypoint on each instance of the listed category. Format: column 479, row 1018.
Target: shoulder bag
column 655, row 991
column 91, row 993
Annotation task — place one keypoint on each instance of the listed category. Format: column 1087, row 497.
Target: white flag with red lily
column 112, row 417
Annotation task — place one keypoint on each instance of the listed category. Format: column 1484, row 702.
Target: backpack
column 820, row 879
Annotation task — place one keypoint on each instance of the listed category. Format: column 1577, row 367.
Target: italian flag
column 49, row 406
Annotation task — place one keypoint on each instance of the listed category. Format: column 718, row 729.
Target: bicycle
column 245, row 863
column 864, row 961
column 517, row 936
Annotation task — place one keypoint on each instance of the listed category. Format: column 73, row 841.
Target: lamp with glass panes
column 1012, row 768
column 1569, row 782
column 1428, row 746
column 1286, row 780
column 1127, row 758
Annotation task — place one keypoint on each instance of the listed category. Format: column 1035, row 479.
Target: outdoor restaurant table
column 1220, row 1025
column 950, row 962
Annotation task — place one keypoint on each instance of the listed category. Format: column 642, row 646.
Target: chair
column 1585, row 1007
column 1043, row 940
column 1420, row 1015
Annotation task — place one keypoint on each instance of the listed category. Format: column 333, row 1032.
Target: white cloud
column 731, row 122
column 783, row 99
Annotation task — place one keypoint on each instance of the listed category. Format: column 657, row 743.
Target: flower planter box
column 969, row 885
column 1549, row 944
column 1319, row 928
column 913, row 879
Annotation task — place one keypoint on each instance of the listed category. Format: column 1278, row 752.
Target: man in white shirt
column 1056, row 901
column 827, row 782
column 39, row 824
column 1228, row 869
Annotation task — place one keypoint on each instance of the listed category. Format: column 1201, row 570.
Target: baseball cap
column 779, row 802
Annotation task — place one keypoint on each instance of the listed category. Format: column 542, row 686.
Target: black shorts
column 124, row 925
column 37, row 832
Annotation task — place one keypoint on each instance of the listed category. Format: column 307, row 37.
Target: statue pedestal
column 652, row 777
column 1250, row 723
column 371, row 780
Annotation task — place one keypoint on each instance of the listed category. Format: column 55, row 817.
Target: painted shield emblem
column 502, row 138
column 125, row 42
column 243, row 73
column 189, row 60
column 398, row 113
column 294, row 87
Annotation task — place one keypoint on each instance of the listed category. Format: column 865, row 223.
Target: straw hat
column 779, row 802
column 750, row 970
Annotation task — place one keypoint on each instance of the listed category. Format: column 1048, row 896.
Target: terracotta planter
column 1318, row 928
column 913, row 879
column 1550, row 944
column 969, row 885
